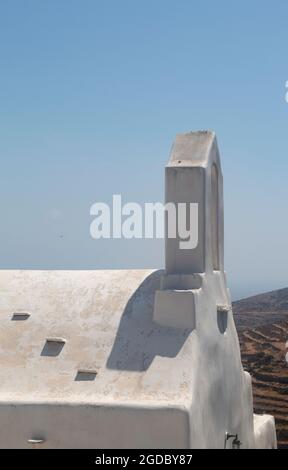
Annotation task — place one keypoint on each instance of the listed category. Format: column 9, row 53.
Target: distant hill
column 262, row 309
column 262, row 324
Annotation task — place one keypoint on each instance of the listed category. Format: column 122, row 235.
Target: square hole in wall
column 85, row 375
column 20, row 316
column 53, row 347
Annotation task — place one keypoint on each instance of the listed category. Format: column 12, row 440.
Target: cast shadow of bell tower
column 138, row 339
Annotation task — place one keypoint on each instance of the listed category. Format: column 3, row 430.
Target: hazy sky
column 92, row 94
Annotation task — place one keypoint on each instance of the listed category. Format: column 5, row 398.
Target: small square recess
column 84, row 375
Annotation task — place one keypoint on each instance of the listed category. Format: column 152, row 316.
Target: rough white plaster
column 162, row 370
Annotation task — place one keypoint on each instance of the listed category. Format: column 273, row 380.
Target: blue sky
column 92, row 94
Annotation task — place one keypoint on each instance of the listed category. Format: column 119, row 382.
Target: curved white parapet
column 264, row 431
column 132, row 358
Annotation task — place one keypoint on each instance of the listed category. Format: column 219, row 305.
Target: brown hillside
column 262, row 324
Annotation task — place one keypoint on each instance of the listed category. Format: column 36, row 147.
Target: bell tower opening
column 215, row 217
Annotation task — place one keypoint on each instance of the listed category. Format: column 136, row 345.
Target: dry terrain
column 262, row 324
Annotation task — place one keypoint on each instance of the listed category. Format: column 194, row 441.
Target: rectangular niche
column 85, row 375
column 20, row 316
column 53, row 347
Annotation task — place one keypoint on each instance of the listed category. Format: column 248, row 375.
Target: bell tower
column 193, row 176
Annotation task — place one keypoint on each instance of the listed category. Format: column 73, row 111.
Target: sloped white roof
column 105, row 319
